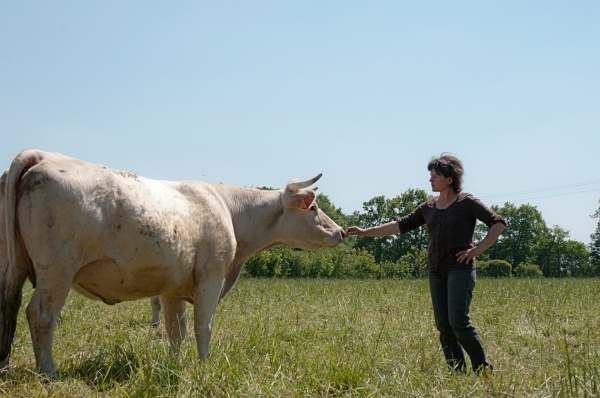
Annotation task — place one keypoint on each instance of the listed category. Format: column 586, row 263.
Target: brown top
column 450, row 229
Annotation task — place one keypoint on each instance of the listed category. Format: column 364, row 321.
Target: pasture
column 298, row 338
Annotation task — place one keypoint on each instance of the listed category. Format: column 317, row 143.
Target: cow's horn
column 294, row 186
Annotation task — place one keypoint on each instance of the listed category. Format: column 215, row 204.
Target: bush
column 414, row 264
column 397, row 270
column 352, row 263
column 266, row 263
column 341, row 262
column 494, row 269
column 525, row 270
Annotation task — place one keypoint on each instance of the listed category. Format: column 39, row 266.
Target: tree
column 376, row 213
column 559, row 256
column 527, row 244
column 525, row 226
column 380, row 210
column 547, row 251
column 594, row 246
column 575, row 259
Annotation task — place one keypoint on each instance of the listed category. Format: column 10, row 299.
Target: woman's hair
column 448, row 166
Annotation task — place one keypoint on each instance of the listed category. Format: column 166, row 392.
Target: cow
column 156, row 307
column 115, row 236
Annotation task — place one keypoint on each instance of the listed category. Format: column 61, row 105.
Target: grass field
column 298, row 338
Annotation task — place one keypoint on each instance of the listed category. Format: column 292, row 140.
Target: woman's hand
column 467, row 255
column 355, row 231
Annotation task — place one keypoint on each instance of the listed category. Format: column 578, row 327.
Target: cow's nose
column 343, row 234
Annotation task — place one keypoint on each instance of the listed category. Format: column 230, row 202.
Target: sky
column 255, row 93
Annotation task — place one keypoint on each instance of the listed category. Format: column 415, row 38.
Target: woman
column 450, row 218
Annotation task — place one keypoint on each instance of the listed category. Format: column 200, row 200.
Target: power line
column 537, row 190
column 547, row 196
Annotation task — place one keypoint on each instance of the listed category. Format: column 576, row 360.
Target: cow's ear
column 309, row 198
column 301, row 199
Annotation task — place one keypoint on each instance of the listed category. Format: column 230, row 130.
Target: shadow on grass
column 127, row 370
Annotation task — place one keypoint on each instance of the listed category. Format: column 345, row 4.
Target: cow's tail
column 14, row 261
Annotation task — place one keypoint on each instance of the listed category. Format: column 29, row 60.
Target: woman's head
column 449, row 166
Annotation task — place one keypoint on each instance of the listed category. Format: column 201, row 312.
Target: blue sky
column 254, row 93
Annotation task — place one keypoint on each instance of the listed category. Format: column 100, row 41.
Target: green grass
column 298, row 338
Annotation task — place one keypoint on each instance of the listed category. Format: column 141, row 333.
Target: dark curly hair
column 448, row 166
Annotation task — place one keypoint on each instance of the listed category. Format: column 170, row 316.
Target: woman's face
column 439, row 183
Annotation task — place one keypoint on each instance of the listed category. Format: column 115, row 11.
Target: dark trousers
column 451, row 294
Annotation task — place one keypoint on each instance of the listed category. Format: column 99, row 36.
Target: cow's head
column 305, row 225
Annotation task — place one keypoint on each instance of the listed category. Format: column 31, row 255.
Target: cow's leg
column 175, row 320
column 205, row 304
column 4, row 368
column 42, row 313
column 155, row 303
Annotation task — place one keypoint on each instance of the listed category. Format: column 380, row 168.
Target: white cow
column 115, row 236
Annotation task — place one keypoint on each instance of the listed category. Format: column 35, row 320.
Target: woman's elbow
column 500, row 227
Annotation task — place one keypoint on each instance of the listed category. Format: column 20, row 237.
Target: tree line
column 527, row 248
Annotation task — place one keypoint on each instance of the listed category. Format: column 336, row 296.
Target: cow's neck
column 254, row 214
